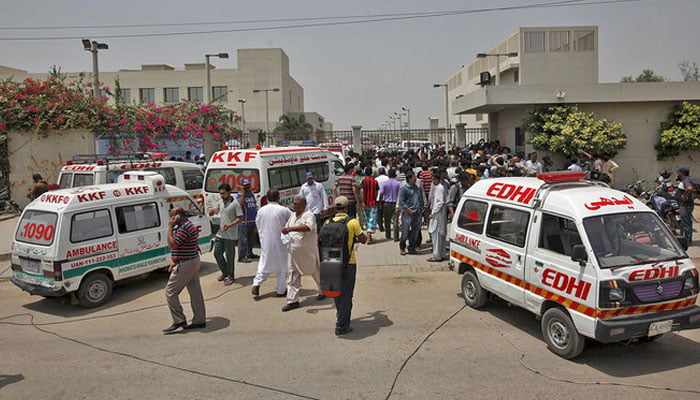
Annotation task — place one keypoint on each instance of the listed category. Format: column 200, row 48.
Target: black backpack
column 333, row 241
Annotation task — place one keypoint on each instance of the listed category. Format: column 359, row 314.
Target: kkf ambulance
column 283, row 168
column 590, row 261
column 84, row 240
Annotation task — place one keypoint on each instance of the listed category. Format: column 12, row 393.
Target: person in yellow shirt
column 343, row 303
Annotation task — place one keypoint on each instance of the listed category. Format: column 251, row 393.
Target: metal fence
column 387, row 137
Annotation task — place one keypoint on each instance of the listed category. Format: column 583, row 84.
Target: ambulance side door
column 550, row 266
column 141, row 230
column 503, row 250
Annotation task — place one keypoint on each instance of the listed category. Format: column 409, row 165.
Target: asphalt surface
column 413, row 338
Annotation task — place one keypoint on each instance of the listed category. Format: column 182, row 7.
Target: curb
column 5, row 256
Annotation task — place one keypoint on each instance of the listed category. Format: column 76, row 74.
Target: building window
column 147, row 95
column 533, row 42
column 124, row 96
column 559, row 41
column 220, row 93
column 516, row 76
column 479, row 117
column 171, row 94
column 195, row 94
column 584, row 40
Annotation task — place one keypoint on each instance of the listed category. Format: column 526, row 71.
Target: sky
column 352, row 74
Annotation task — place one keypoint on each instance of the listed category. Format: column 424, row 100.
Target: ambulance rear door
column 141, row 230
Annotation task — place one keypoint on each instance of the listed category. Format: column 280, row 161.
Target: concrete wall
column 640, row 123
column 30, row 154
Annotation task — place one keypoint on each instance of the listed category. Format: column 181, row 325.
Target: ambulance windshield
column 630, row 238
column 232, row 176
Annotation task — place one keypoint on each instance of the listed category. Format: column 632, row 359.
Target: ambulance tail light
column 127, row 177
column 561, row 176
column 100, row 162
column 57, row 273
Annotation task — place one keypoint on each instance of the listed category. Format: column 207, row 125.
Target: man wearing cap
column 273, row 253
column 246, row 228
column 343, row 303
column 316, row 199
column 686, row 200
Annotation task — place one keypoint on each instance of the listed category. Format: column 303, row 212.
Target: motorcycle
column 664, row 203
column 636, row 189
column 7, row 205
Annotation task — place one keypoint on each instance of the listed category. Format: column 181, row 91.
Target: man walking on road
column 369, row 192
column 273, row 253
column 343, row 303
column 183, row 240
column 303, row 251
column 345, row 185
column 225, row 242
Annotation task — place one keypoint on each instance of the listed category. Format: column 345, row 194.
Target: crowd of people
column 396, row 193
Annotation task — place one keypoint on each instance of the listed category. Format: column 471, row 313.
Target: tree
column 689, row 70
column 647, row 75
column 294, row 128
column 565, row 129
column 680, row 131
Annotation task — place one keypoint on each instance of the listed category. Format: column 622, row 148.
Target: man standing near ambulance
column 316, row 199
column 183, row 240
column 272, row 217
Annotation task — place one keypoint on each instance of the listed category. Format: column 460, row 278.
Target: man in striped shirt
column 345, row 185
column 183, row 240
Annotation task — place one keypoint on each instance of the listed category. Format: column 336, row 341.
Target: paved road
column 413, row 339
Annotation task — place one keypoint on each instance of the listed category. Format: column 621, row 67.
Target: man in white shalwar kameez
column 303, row 251
column 270, row 220
column 438, row 218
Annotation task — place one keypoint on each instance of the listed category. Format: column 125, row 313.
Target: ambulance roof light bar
column 561, row 176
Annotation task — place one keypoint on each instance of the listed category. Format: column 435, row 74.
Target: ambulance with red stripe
column 283, row 168
column 84, row 240
column 89, row 170
column 590, row 261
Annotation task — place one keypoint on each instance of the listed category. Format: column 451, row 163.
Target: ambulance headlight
column 617, row 294
column 689, row 283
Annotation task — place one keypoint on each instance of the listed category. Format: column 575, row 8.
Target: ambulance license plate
column 661, row 327
column 30, row 265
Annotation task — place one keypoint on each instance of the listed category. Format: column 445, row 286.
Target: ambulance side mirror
column 578, row 253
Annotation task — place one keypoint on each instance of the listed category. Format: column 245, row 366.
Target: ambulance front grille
column 658, row 291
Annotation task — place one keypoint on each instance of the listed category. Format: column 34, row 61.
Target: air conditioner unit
column 485, row 78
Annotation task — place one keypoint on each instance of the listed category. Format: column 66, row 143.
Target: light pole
column 400, row 121
column 207, row 79
column 447, row 110
column 93, row 46
column 408, row 117
column 242, row 101
column 498, row 61
column 267, row 105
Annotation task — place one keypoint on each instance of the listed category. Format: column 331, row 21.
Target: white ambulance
column 283, row 168
column 590, row 261
column 84, row 240
column 89, row 170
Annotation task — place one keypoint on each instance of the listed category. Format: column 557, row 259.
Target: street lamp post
column 207, row 78
column 498, row 61
column 400, row 121
column 93, row 47
column 447, row 110
column 267, row 105
column 408, row 117
column 242, row 101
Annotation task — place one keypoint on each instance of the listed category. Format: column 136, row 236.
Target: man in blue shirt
column 389, row 193
column 246, row 228
column 411, row 206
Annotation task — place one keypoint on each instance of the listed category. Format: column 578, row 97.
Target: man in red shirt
column 369, row 192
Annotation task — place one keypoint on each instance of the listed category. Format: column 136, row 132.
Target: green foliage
column 680, row 131
column 294, row 128
column 647, row 75
column 565, row 129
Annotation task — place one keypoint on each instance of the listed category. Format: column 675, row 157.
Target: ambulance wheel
column 473, row 294
column 560, row 334
column 94, row 290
